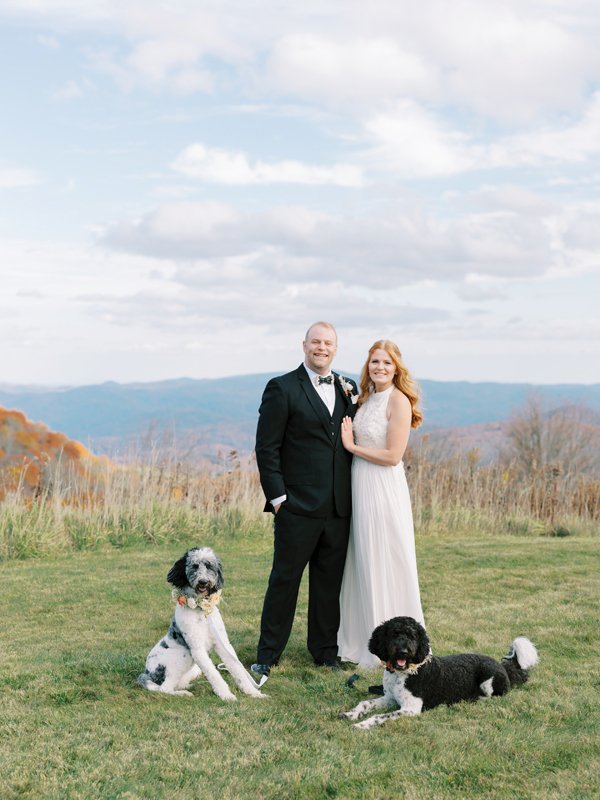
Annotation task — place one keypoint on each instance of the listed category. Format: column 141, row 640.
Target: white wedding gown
column 380, row 575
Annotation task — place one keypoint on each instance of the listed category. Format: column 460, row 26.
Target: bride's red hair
column 402, row 379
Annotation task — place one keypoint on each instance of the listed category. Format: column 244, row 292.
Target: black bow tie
column 326, row 379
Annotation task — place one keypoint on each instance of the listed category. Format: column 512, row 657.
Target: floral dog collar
column 206, row 604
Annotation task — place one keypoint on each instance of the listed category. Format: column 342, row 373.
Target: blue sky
column 185, row 186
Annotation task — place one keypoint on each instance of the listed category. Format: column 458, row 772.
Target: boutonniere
column 206, row 604
column 348, row 389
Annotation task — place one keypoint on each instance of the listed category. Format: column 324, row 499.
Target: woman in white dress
column 380, row 575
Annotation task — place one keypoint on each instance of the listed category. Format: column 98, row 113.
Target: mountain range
column 208, row 417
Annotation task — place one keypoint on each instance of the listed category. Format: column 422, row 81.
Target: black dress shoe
column 261, row 669
column 333, row 664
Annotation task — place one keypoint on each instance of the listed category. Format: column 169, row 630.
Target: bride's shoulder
column 398, row 402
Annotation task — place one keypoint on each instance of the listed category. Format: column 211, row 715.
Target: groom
column 305, row 475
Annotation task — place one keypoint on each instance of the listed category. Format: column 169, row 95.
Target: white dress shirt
column 326, row 391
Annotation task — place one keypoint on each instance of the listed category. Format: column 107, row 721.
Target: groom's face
column 320, row 348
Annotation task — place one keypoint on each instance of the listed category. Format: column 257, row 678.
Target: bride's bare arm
column 399, row 418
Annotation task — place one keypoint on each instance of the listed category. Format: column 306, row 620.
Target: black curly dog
column 414, row 680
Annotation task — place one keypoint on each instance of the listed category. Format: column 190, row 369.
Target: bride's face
column 381, row 370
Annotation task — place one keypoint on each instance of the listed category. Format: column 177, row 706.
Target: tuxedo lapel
column 313, row 398
column 340, row 391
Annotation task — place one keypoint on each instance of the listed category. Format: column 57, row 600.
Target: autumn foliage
column 31, row 457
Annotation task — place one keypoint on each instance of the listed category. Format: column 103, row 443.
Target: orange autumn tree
column 33, row 459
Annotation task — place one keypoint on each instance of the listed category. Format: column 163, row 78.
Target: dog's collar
column 206, row 604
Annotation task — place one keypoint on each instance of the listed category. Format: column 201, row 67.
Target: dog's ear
column 377, row 643
column 422, row 643
column 220, row 578
column 177, row 575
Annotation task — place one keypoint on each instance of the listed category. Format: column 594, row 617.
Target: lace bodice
column 370, row 423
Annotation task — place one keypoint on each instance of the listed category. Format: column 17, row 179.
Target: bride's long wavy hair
column 401, row 380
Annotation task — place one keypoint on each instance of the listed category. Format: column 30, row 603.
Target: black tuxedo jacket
column 299, row 450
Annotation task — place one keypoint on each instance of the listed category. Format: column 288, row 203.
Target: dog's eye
column 207, row 564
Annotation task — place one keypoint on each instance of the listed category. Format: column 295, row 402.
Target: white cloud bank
column 417, row 143
column 435, row 177
column 17, row 177
column 216, row 165
column 301, row 244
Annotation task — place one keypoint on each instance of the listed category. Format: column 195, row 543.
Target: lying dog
column 196, row 629
column 414, row 680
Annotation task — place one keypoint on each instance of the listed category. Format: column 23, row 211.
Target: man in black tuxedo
column 305, row 475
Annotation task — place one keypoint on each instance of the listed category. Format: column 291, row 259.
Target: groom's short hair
column 324, row 324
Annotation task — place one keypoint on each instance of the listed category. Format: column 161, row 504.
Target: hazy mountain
column 211, row 414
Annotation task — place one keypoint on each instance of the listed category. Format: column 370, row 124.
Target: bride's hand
column 347, row 434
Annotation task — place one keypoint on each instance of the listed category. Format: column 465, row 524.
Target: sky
column 186, row 185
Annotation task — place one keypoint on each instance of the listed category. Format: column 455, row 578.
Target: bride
column 380, row 576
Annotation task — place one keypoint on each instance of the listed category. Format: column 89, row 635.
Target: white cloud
column 199, row 307
column 561, row 144
column 156, row 67
column 229, row 167
column 417, row 143
column 162, row 61
column 349, row 70
column 478, row 289
column 502, row 59
column 300, row 244
column 71, row 90
column 179, row 230
column 512, row 61
column 518, row 199
column 17, row 177
column 582, row 230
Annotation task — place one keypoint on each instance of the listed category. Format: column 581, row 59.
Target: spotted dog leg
column 411, row 709
column 365, row 706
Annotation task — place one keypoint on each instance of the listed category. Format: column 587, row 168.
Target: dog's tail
column 522, row 658
column 145, row 680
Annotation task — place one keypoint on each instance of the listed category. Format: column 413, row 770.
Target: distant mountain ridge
column 222, row 412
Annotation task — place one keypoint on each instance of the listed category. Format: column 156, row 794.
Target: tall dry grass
column 167, row 500
column 159, row 501
column 546, row 478
column 457, row 493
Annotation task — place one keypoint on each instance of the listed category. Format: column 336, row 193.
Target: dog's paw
column 348, row 715
column 363, row 726
column 231, row 698
column 255, row 693
column 182, row 693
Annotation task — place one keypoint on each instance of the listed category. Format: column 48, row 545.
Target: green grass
column 76, row 629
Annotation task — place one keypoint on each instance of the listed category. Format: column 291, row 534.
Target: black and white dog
column 414, row 680
column 196, row 629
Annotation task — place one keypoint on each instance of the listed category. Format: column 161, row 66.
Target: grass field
column 76, row 629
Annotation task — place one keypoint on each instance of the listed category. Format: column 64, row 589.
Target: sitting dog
column 414, row 680
column 196, row 629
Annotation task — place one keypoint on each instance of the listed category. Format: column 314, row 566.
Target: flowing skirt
column 380, row 575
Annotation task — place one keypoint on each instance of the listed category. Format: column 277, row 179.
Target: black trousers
column 321, row 543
